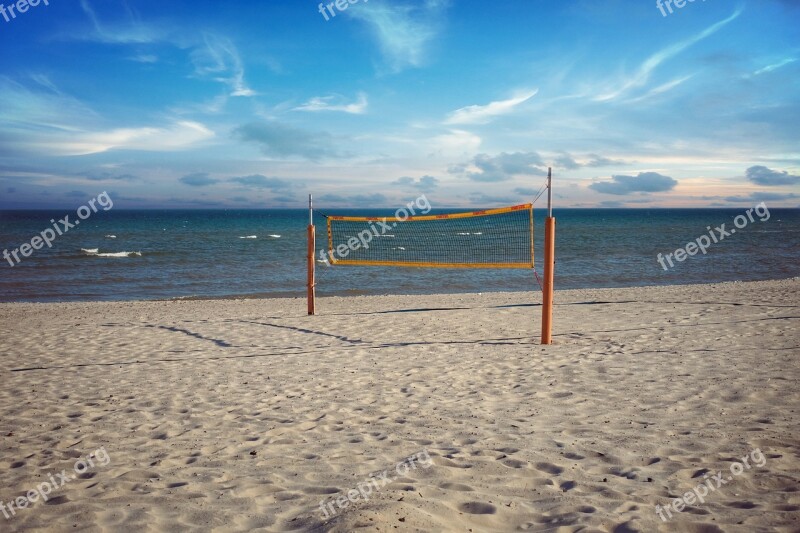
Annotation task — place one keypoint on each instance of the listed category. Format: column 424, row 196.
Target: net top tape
column 424, row 218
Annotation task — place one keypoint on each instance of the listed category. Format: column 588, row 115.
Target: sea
column 203, row 254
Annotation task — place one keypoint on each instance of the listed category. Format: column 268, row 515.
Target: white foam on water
column 121, row 254
column 95, row 252
column 249, row 237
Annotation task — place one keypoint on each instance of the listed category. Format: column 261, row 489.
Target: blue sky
column 257, row 103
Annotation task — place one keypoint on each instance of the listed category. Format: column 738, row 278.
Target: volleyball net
column 493, row 238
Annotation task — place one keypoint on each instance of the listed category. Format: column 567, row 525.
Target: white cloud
column 775, row 66
column 144, row 58
column 178, row 135
column 132, row 32
column 502, row 167
column 219, row 59
column 334, row 103
column 457, row 142
column 481, row 114
column 661, row 89
column 43, row 107
column 642, row 75
column 402, row 31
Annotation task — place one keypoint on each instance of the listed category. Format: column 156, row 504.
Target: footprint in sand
column 477, row 508
column 58, row 500
column 321, row 490
column 786, row 508
column 549, row 468
column 508, row 451
column 456, row 486
column 567, row 485
column 193, row 458
column 742, row 505
column 442, row 461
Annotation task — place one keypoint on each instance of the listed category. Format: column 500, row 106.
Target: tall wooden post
column 549, row 265
column 312, row 245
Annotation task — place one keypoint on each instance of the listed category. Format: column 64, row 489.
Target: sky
column 368, row 103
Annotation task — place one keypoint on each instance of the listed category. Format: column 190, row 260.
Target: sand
column 240, row 415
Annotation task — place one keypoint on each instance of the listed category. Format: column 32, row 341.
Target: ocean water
column 131, row 255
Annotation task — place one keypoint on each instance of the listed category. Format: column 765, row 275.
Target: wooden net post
column 549, row 265
column 312, row 290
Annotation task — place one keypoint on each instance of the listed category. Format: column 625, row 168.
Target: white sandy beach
column 240, row 415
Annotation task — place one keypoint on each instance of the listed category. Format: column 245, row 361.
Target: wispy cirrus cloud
column 131, row 31
column 661, row 89
column 176, row 135
column 42, row 119
column 219, row 60
column 335, row 103
column 481, row 114
column 213, row 56
column 642, row 75
column 144, row 58
column 403, row 31
column 40, row 106
column 775, row 66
